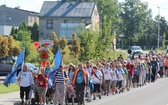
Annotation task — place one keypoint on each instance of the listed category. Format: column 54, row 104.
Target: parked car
column 6, row 65
column 135, row 50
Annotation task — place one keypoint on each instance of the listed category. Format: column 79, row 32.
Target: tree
column 164, row 41
column 135, row 16
column 111, row 10
column 3, row 46
column 55, row 46
column 13, row 31
column 23, row 26
column 8, row 47
column 35, row 32
column 53, row 35
column 75, row 46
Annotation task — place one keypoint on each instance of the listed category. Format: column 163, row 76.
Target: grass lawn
column 10, row 88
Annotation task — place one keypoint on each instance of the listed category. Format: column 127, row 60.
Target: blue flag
column 57, row 63
column 11, row 77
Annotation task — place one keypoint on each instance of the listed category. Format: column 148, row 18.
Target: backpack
column 79, row 78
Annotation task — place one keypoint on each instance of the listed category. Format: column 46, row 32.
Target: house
column 65, row 17
column 14, row 17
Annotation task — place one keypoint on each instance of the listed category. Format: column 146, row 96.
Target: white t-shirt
column 95, row 79
column 115, row 72
column 107, row 74
column 120, row 73
column 89, row 71
column 26, row 78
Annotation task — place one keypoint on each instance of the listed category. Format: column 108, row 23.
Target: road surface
column 150, row 94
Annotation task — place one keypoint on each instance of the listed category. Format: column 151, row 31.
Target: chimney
column 18, row 7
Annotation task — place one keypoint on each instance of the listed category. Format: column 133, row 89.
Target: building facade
column 65, row 18
column 14, row 17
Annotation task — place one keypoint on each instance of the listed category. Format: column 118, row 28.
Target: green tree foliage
column 35, row 32
column 63, row 42
column 164, row 41
column 23, row 26
column 55, row 43
column 111, row 10
column 75, row 46
column 25, row 38
column 14, row 32
column 53, row 35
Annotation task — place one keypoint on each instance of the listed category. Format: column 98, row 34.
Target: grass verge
column 10, row 88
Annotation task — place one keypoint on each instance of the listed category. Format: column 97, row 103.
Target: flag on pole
column 57, row 63
column 11, row 77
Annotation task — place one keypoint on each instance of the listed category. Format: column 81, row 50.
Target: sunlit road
column 150, row 94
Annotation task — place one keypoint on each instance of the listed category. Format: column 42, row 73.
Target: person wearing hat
column 59, row 85
column 71, row 71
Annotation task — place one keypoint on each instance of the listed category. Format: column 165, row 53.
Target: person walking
column 97, row 81
column 155, row 68
column 42, row 81
column 80, row 80
column 166, row 65
column 114, row 78
column 161, row 65
column 59, row 85
column 137, row 70
column 130, row 68
column 107, row 78
column 120, row 77
column 50, row 91
column 71, row 71
column 26, row 81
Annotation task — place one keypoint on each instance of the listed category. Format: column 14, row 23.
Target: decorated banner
column 44, row 53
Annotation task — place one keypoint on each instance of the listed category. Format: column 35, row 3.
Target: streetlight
column 158, row 22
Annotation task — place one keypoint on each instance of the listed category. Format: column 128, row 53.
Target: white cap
column 128, row 60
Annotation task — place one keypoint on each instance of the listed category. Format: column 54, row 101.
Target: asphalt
column 151, row 94
column 10, row 98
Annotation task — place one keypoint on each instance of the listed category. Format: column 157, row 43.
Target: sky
column 35, row 5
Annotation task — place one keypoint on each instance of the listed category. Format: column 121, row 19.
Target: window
column 31, row 19
column 35, row 19
column 95, row 13
column 49, row 24
column 66, row 21
column 8, row 19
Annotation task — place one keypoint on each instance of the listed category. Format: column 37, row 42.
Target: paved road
column 150, row 94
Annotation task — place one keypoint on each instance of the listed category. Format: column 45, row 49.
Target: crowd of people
column 105, row 77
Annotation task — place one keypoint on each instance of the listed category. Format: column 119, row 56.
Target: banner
column 11, row 77
column 57, row 63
